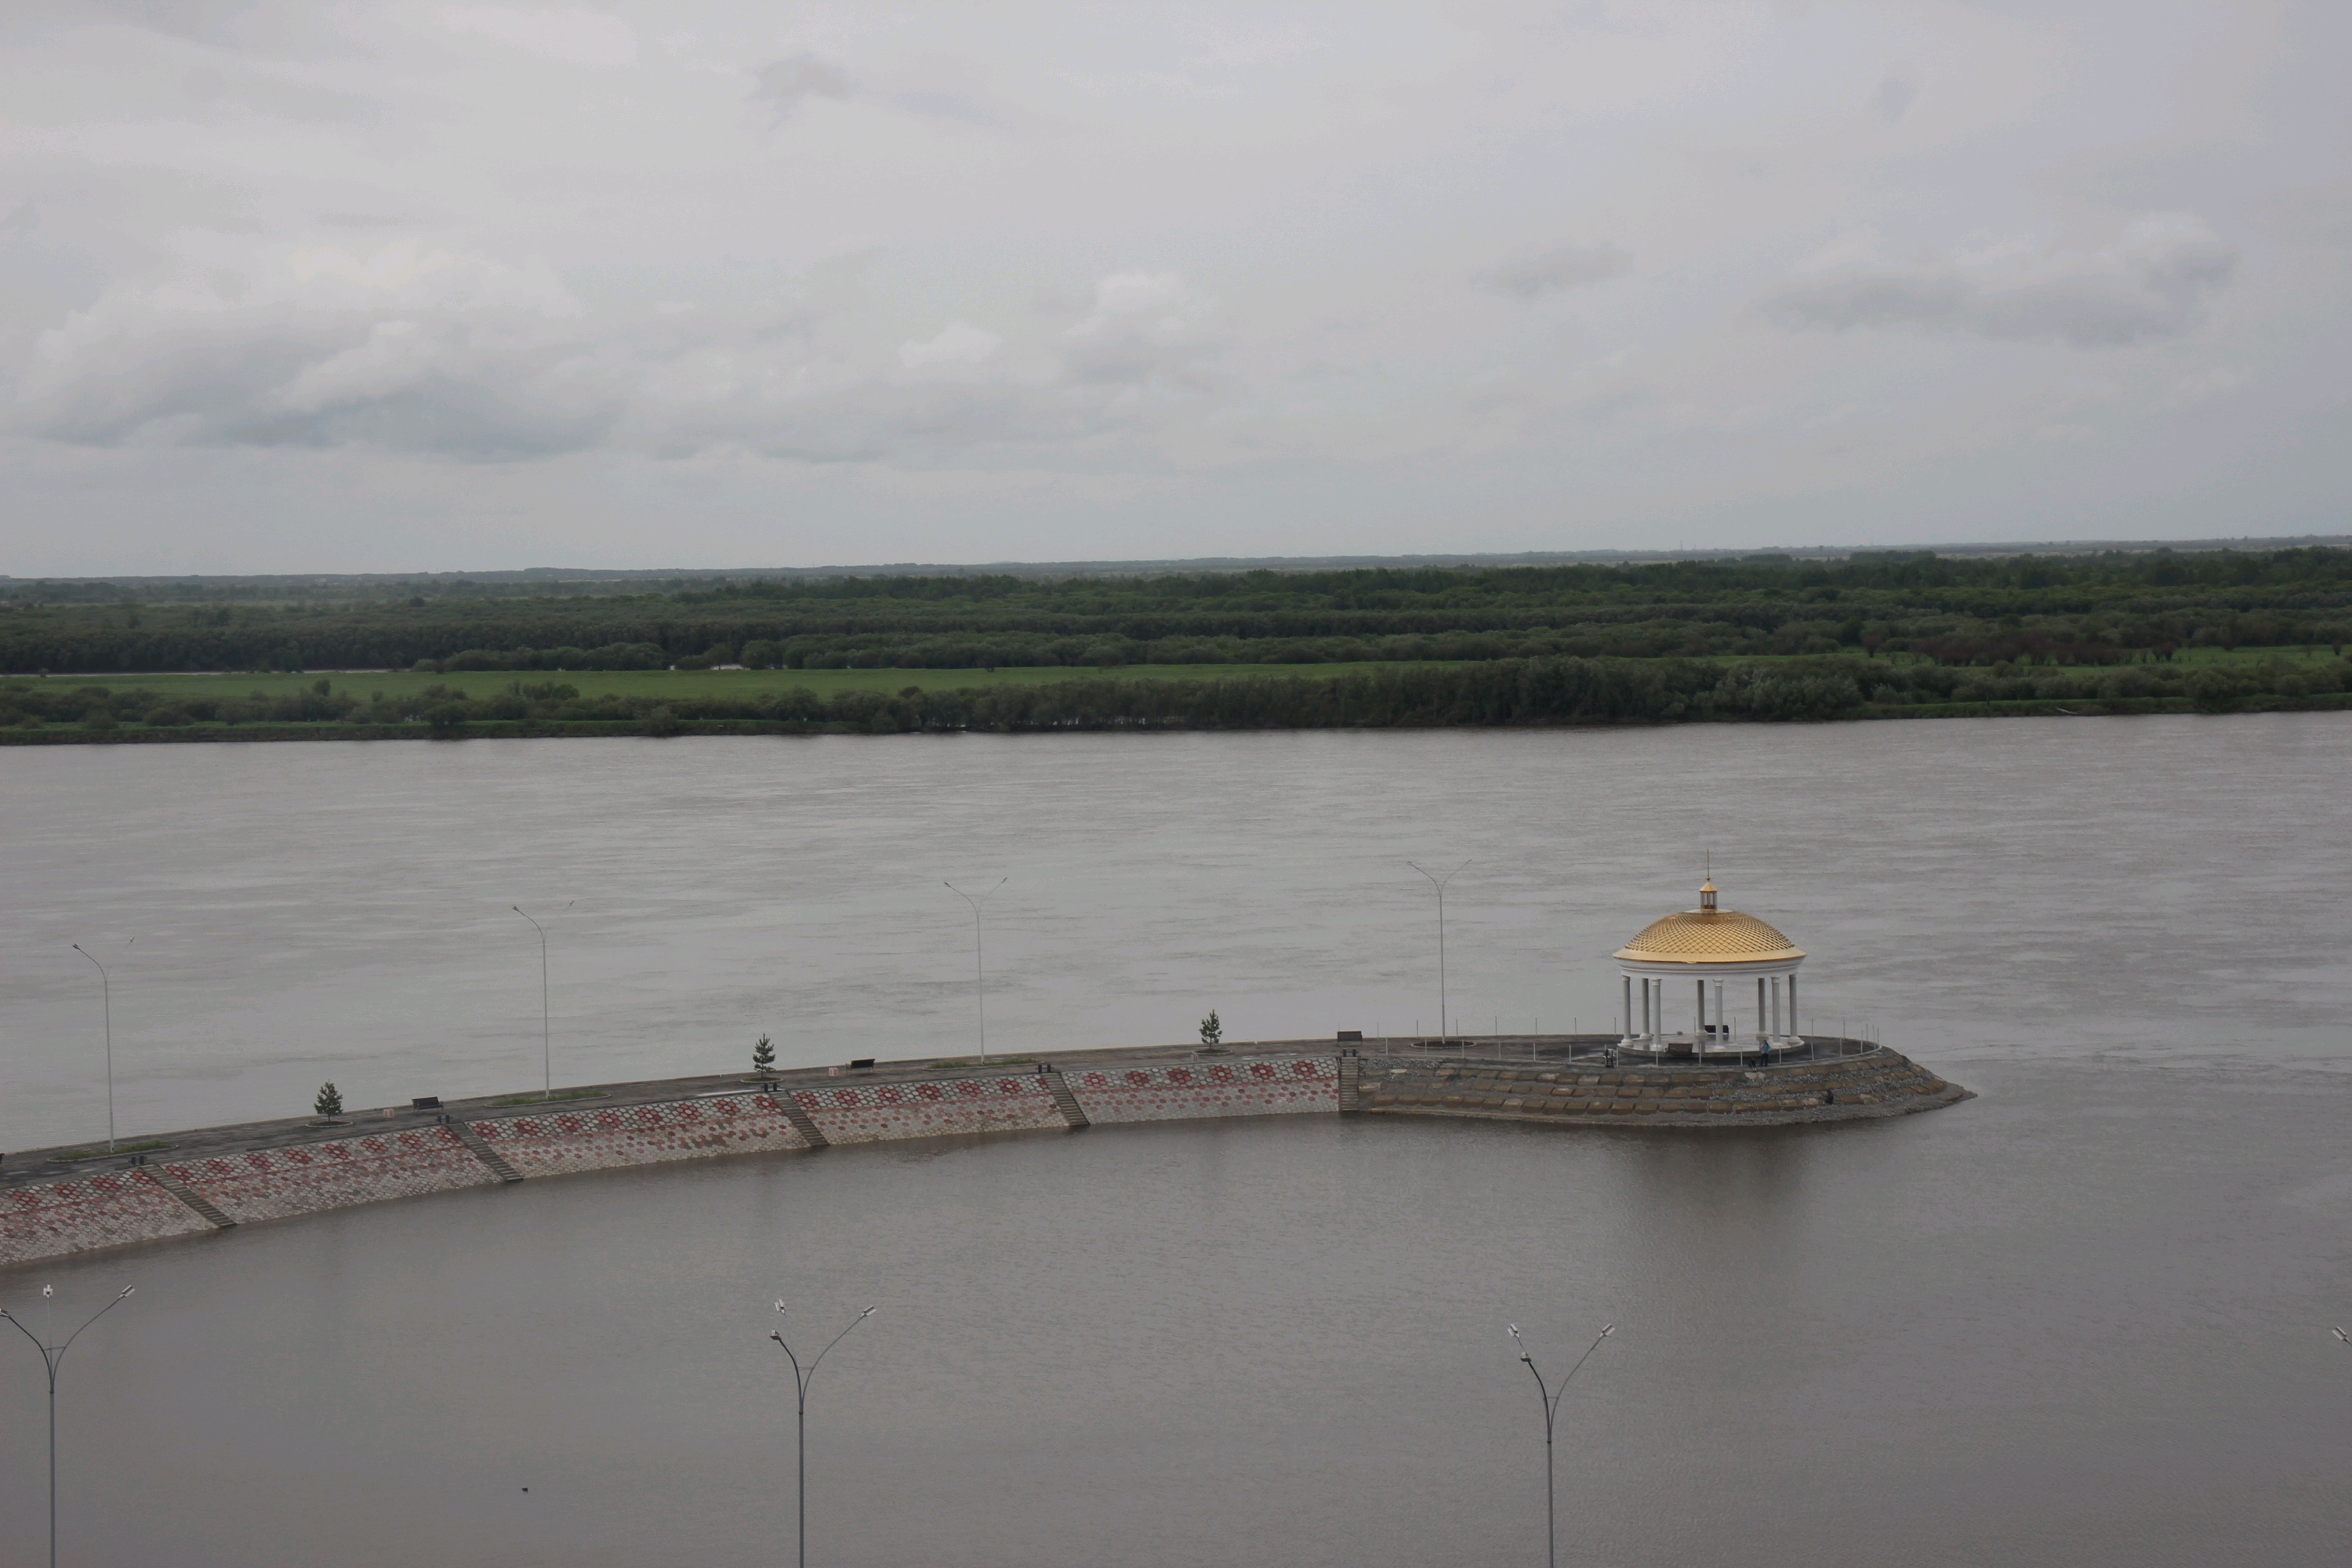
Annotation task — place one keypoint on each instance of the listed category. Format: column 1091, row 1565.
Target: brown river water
column 2082, row 1319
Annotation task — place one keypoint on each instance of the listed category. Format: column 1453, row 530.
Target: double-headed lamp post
column 52, row 1358
column 1551, row 1399
column 802, row 1378
column 979, row 967
column 1439, row 883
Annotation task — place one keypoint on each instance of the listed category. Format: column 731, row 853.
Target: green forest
column 1879, row 634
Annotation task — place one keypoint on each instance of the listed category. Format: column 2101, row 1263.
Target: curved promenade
column 60, row 1201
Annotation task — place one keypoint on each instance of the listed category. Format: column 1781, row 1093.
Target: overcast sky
column 321, row 286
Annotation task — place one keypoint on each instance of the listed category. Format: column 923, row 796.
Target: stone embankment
column 63, row 1201
column 1872, row 1083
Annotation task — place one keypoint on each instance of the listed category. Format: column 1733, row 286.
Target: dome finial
column 1706, row 889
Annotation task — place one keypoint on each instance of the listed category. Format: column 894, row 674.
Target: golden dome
column 1709, row 935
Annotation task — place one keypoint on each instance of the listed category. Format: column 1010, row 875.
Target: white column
column 1629, row 1003
column 1699, row 1030
column 1763, row 1013
column 1720, row 1015
column 1793, row 1025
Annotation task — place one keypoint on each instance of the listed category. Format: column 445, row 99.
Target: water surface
column 2034, row 887
column 2080, row 1319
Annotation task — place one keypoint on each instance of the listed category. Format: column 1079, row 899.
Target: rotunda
column 1705, row 956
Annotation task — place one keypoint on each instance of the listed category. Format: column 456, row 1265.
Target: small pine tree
column 330, row 1101
column 1211, row 1031
column 764, row 1056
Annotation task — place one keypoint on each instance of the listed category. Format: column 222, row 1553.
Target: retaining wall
column 272, row 1171
column 304, row 1178
column 555, row 1141
column 91, row 1212
column 1168, row 1092
column 1872, row 1083
column 930, row 1108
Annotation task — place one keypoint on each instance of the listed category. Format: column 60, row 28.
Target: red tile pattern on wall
column 303, row 1178
column 594, row 1140
column 89, row 1211
column 868, row 1113
column 86, row 1212
column 1243, row 1086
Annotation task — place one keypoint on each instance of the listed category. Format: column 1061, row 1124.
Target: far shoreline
column 1565, row 692
column 62, row 735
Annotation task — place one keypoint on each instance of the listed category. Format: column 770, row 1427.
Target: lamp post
column 979, row 967
column 546, row 1046
column 1439, row 883
column 802, row 1378
column 1550, row 1409
column 52, row 1358
column 106, row 1006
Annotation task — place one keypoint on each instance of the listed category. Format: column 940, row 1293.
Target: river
column 2080, row 1319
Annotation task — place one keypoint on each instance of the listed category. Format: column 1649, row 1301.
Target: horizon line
column 1205, row 565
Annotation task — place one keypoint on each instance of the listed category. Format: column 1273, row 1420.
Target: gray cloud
column 2151, row 284
column 246, row 391
column 786, row 83
column 951, row 106
column 313, row 260
column 1139, row 361
column 215, row 96
column 419, row 350
column 1895, row 92
column 913, row 427
column 1557, row 272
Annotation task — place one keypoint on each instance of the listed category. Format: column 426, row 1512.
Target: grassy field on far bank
column 392, row 705
column 672, row 685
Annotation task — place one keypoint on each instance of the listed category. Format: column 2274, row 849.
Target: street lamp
column 546, row 1050
column 106, row 1004
column 979, row 970
column 1550, row 1409
column 1439, row 883
column 802, row 1378
column 52, row 1358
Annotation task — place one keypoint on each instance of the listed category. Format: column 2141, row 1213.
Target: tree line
column 2103, row 609
column 1541, row 691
